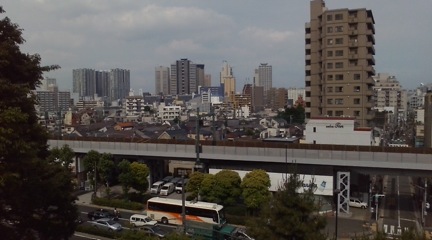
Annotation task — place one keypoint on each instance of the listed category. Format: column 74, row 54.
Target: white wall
column 336, row 131
column 324, row 183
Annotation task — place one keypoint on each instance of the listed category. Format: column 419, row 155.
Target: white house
column 337, row 131
column 168, row 113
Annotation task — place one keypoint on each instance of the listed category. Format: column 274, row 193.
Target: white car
column 354, row 202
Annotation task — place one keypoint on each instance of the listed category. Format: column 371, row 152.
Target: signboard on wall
column 322, row 185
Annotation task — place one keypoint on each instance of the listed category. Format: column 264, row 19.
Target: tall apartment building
column 53, row 100
column 113, row 84
column 428, row 120
column 228, row 80
column 119, row 84
column 277, row 98
column 200, row 75
column 46, row 83
column 183, row 77
column 264, row 77
column 207, row 80
column 162, row 77
column 339, row 63
column 84, row 82
column 389, row 94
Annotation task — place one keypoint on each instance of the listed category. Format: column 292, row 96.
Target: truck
column 208, row 231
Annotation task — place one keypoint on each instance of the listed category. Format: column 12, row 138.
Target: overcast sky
column 140, row 35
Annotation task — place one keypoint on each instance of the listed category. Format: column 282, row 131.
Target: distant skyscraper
column 200, row 75
column 46, row 82
column 102, row 83
column 389, row 93
column 183, row 77
column 119, row 83
column 228, row 80
column 207, row 80
column 264, row 77
column 162, row 80
column 84, row 82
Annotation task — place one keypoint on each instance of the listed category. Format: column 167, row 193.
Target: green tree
column 194, row 184
column 35, row 194
column 140, row 173
column 255, row 189
column 64, row 155
column 91, row 164
column 206, row 191
column 289, row 215
column 106, row 170
column 125, row 177
column 293, row 115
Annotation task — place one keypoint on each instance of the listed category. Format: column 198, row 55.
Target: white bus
column 168, row 210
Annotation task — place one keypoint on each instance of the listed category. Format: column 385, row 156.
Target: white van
column 139, row 220
column 156, row 187
column 167, row 189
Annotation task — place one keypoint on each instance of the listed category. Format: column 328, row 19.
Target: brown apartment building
column 340, row 63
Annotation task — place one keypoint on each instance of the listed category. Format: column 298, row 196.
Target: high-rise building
column 389, row 94
column 162, row 80
column 228, row 80
column 183, row 77
column 102, row 83
column 264, row 77
column 46, row 83
column 53, row 100
column 119, row 84
column 339, row 63
column 294, row 93
column 200, row 75
column 277, row 98
column 84, row 82
column 207, row 80
column 428, row 120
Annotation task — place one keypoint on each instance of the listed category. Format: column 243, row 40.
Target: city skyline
column 143, row 35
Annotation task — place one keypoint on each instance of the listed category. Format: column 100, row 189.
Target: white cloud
column 267, row 35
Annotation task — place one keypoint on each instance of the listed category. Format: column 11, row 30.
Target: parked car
column 101, row 213
column 167, row 189
column 354, row 202
column 156, row 187
column 179, row 185
column 167, row 179
column 176, row 180
column 154, row 231
column 107, row 224
column 139, row 220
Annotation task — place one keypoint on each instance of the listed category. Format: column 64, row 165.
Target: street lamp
column 337, row 191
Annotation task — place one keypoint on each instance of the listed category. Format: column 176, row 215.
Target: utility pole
column 213, row 125
column 198, row 165
column 183, row 204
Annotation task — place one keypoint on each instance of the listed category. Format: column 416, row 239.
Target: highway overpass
column 369, row 160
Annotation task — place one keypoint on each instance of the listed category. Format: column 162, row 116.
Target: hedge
column 118, row 203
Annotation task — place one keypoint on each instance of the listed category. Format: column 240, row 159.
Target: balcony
column 308, row 57
column 353, row 43
column 308, row 46
column 353, row 32
column 307, row 35
column 352, row 56
column 308, row 68
column 352, row 19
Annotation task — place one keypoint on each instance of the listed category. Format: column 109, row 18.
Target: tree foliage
column 255, row 188
column 140, row 173
column 293, row 115
column 194, row 184
column 64, row 156
column 125, row 177
column 289, row 215
column 36, row 200
column 223, row 187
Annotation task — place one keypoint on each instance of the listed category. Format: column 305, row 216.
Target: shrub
column 118, row 203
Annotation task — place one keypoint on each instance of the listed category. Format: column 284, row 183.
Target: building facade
column 84, row 82
column 183, row 77
column 428, row 120
column 339, row 60
column 119, row 84
column 228, row 80
column 264, row 77
column 162, row 80
column 389, row 93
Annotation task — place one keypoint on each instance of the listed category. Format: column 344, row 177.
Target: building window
column 329, row 101
column 339, row 53
column 329, row 89
column 338, row 113
column 329, row 53
column 339, row 65
column 339, row 40
column 329, row 17
column 356, row 101
column 330, row 77
column 330, row 113
column 339, row 29
column 329, row 29
column 339, row 77
column 356, row 113
column 314, row 129
column 339, row 89
column 339, row 16
column 329, row 65
column 339, row 101
column 356, row 76
column 329, row 41
column 356, row 88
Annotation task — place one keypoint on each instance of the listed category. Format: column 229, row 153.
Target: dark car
column 101, row 213
column 154, row 231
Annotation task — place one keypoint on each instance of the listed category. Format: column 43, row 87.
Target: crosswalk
column 394, row 230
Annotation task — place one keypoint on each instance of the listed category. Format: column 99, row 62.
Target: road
column 397, row 206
